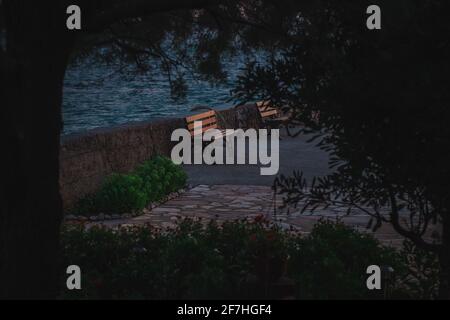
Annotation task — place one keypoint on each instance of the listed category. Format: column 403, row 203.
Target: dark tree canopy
column 376, row 98
column 383, row 105
column 180, row 37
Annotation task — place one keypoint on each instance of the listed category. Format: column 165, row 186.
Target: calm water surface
column 97, row 96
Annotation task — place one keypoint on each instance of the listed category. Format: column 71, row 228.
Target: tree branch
column 414, row 237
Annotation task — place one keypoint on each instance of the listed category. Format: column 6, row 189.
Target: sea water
column 96, row 95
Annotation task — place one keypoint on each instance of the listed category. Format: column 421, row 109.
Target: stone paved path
column 230, row 202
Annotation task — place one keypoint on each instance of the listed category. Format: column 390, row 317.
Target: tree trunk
column 36, row 54
column 444, row 259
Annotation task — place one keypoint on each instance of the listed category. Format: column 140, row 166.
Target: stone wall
column 86, row 159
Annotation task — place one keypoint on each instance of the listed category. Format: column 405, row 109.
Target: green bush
column 239, row 259
column 339, row 257
column 423, row 273
column 126, row 193
column 161, row 177
column 121, row 193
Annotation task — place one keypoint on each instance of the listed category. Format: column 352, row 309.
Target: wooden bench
column 270, row 115
column 266, row 110
column 208, row 121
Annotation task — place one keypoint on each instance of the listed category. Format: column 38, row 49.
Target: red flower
column 259, row 218
column 271, row 235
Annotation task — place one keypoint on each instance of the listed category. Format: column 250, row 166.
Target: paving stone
column 230, row 202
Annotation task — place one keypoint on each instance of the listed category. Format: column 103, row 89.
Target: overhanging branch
column 414, row 237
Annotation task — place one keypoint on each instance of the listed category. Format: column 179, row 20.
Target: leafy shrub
column 339, row 256
column 125, row 193
column 121, row 193
column 422, row 278
column 161, row 177
column 238, row 259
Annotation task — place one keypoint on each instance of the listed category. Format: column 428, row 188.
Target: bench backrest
column 208, row 119
column 266, row 110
